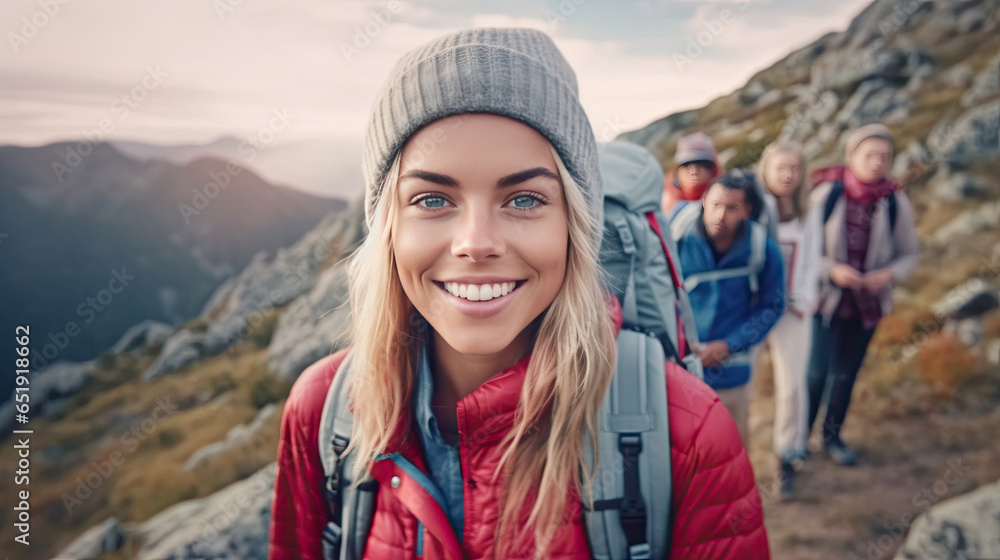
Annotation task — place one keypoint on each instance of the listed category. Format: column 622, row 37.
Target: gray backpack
column 631, row 491
column 639, row 259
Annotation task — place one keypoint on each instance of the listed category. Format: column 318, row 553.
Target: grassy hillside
column 120, row 448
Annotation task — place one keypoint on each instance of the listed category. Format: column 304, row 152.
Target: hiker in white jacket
column 782, row 169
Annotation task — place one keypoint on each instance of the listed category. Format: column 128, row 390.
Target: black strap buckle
column 630, row 446
column 632, row 511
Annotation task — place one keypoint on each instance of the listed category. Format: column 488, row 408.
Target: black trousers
column 835, row 358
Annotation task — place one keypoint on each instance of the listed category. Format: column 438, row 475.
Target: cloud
column 326, row 61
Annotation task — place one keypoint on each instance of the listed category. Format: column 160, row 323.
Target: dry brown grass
column 213, row 395
column 935, row 280
column 892, row 331
column 719, row 108
column 945, row 363
column 991, row 326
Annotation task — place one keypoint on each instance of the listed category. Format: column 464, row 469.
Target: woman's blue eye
column 432, row 202
column 525, row 202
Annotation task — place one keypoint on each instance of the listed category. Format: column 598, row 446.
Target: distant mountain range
column 94, row 245
column 324, row 167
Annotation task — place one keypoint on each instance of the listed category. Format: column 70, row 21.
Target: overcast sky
column 195, row 70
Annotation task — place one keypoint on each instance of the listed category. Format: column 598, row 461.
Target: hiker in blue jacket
column 735, row 277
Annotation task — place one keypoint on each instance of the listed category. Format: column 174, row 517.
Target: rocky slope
column 931, row 72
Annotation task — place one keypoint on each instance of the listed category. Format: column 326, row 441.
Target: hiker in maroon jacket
column 869, row 245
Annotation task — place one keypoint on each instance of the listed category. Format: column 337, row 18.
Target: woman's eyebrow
column 508, row 181
column 522, row 176
column 431, row 177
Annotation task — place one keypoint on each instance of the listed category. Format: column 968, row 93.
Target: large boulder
column 972, row 221
column 915, row 157
column 100, row 539
column 970, row 299
column 231, row 524
column 813, row 108
column 48, row 389
column 141, row 334
column 971, row 136
column 181, row 349
column 965, row 527
column 959, row 75
column 955, row 187
column 843, row 69
column 874, row 100
column 986, row 84
column 312, row 327
column 237, row 434
column 882, row 20
column 265, row 284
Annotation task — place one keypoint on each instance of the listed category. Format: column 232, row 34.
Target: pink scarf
column 855, row 189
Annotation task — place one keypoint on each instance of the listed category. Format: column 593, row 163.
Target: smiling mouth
column 480, row 292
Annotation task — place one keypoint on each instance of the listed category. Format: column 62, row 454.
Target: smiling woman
column 491, row 205
column 483, row 341
column 488, row 211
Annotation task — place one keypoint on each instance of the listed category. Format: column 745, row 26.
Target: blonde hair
column 800, row 197
column 571, row 366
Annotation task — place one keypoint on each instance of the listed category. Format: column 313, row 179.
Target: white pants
column 789, row 342
column 737, row 399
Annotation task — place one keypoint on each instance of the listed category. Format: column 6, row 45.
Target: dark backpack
column 838, row 189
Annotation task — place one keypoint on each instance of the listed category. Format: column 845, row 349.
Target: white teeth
column 479, row 292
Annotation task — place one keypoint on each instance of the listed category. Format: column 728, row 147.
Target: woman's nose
column 477, row 236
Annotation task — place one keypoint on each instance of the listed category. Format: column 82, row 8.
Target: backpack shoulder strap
column 758, row 252
column 831, row 199
column 893, row 210
column 769, row 216
column 687, row 336
column 350, row 507
column 630, row 310
column 838, row 189
column 684, row 219
column 632, row 487
column 755, row 263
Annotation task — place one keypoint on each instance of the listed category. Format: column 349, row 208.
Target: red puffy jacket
column 717, row 509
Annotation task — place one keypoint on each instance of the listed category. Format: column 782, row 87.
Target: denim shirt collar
column 426, row 421
column 443, row 459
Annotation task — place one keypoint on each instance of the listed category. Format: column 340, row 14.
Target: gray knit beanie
column 863, row 133
column 516, row 73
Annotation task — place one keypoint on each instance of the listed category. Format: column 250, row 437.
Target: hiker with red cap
column 696, row 168
column 869, row 245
